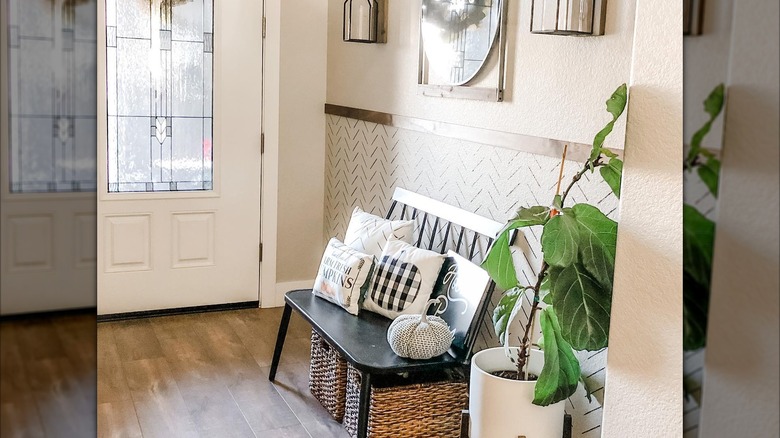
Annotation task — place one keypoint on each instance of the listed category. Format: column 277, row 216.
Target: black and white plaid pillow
column 403, row 280
column 396, row 284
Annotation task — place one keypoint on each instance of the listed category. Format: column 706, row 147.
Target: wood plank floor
column 47, row 376
column 206, row 375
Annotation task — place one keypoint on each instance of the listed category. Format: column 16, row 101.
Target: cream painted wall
column 644, row 367
column 706, row 66
column 740, row 392
column 554, row 83
column 295, row 135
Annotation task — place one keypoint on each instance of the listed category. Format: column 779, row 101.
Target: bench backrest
column 444, row 228
column 441, row 227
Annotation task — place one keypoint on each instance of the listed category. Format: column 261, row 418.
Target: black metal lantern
column 568, row 17
column 693, row 12
column 364, row 21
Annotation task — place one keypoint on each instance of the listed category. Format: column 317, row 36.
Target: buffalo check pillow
column 403, row 280
column 343, row 276
column 369, row 233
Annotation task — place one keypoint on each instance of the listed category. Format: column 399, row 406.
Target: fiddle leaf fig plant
column 699, row 231
column 575, row 279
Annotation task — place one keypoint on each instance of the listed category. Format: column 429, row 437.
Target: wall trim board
column 178, row 311
column 283, row 288
column 49, row 314
column 508, row 140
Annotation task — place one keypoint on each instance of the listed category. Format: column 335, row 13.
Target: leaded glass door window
column 51, row 95
column 159, row 81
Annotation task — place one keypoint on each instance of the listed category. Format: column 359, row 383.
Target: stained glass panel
column 159, row 56
column 52, row 99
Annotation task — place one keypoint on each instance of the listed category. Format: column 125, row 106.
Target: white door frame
column 269, row 204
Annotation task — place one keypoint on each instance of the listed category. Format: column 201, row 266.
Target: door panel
column 47, row 145
column 163, row 249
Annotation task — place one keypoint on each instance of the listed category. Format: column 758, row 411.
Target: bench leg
column 280, row 341
column 363, row 405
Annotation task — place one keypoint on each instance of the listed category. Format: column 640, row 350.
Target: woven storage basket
column 418, row 410
column 328, row 377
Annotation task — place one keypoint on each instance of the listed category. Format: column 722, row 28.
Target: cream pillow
column 343, row 276
column 369, row 233
column 403, row 280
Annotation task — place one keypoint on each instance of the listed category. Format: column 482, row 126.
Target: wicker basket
column 417, row 410
column 328, row 377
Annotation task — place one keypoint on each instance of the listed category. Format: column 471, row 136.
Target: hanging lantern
column 568, row 17
column 693, row 12
column 364, row 21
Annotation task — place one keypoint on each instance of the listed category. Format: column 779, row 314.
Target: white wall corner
column 287, row 286
column 644, row 366
column 270, row 171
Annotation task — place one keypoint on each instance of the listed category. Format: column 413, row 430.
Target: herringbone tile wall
column 366, row 161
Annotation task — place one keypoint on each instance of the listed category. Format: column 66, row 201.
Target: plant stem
column 525, row 344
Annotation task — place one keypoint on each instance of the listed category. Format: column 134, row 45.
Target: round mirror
column 457, row 36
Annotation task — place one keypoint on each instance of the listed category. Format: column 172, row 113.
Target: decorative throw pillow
column 369, row 233
column 343, row 276
column 403, row 280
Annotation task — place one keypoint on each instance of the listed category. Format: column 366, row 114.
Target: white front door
column 47, row 177
column 179, row 112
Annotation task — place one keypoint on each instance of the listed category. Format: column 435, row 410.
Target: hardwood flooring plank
column 135, row 339
column 37, row 339
column 61, row 392
column 159, row 406
column 262, row 406
column 19, row 418
column 207, row 375
column 292, row 382
column 14, row 384
column 47, row 377
column 297, row 431
column 117, row 420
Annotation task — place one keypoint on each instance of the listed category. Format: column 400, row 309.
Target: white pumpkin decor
column 419, row 336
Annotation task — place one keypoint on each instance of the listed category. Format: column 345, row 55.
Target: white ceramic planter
column 502, row 408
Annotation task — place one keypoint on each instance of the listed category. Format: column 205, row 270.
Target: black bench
column 362, row 340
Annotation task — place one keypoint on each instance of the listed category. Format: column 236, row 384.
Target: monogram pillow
column 369, row 233
column 343, row 276
column 403, row 280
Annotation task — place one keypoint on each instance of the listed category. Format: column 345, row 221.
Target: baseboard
column 283, row 288
column 178, row 311
column 49, row 314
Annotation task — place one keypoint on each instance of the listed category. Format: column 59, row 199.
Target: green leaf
column 709, row 173
column 613, row 174
column 526, row 217
column 615, row 106
column 588, row 392
column 608, row 153
column 583, row 305
column 598, row 239
column 598, row 140
column 544, row 290
column 561, row 372
column 558, row 202
column 617, row 102
column 696, row 297
column 499, row 264
column 714, row 102
column 698, row 242
column 713, row 105
column 559, row 239
column 503, row 311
